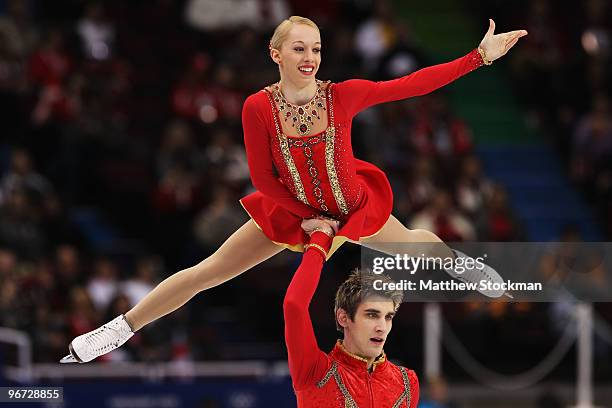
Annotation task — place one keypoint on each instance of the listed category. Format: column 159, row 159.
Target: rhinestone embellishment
column 301, row 117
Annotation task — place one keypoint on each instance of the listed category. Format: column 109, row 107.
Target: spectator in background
column 18, row 30
column 49, row 333
column 345, row 61
column 20, row 225
column 219, row 220
column 178, row 145
column 245, row 57
column 148, row 270
column 376, row 36
column 442, row 218
column 537, row 63
column 596, row 37
column 12, row 73
column 103, row 286
column 9, row 293
column 81, row 313
column 191, row 95
column 210, row 15
column 68, row 268
column 473, row 189
column 226, row 159
column 22, row 176
column 592, row 141
column 178, row 191
column 227, row 98
column 421, row 186
column 49, row 68
column 438, row 133
column 96, row 32
column 496, row 222
column 404, row 57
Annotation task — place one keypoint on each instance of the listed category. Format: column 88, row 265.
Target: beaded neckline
column 301, row 117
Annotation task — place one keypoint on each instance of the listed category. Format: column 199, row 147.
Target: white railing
column 578, row 330
column 21, row 373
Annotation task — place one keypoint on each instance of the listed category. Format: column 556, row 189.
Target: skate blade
column 68, row 359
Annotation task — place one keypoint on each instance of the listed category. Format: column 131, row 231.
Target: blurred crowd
column 121, row 156
column 564, row 77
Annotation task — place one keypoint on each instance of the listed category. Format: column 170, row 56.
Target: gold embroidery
column 329, row 158
column 406, row 394
column 349, row 402
column 284, row 146
column 327, row 375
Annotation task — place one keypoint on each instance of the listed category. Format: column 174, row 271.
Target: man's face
column 367, row 333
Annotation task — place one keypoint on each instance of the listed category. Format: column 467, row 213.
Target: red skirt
column 365, row 220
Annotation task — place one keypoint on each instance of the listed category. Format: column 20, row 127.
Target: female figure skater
column 297, row 138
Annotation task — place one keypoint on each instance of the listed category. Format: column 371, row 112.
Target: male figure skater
column 356, row 373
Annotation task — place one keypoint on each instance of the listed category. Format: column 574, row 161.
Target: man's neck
column 350, row 347
column 298, row 95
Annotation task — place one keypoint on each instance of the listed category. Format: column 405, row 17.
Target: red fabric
column 365, row 188
column 308, row 365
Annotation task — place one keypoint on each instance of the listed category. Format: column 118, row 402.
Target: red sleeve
column 259, row 156
column 307, row 363
column 356, row 95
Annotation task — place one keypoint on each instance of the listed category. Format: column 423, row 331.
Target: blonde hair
column 282, row 30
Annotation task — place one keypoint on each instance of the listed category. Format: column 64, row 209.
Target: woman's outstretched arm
column 357, row 94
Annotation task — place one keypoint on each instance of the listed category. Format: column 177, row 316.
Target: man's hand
column 494, row 46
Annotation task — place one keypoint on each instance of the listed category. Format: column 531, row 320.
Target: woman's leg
column 393, row 236
column 245, row 248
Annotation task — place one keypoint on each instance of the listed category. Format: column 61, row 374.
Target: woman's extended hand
column 325, row 225
column 494, row 46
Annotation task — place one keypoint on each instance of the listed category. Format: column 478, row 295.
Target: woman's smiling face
column 300, row 54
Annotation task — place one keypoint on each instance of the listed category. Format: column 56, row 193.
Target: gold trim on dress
column 284, row 146
column 329, row 157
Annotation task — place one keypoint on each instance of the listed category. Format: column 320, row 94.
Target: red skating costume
column 300, row 177
column 338, row 379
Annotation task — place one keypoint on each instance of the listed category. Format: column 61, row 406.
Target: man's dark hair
column 357, row 288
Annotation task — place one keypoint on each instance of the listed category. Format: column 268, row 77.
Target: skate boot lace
column 104, row 339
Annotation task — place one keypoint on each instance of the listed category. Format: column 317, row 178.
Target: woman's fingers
column 512, row 44
column 519, row 33
column 511, row 35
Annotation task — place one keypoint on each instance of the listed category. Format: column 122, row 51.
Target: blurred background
column 121, row 162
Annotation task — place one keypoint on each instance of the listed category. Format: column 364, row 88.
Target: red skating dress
column 338, row 379
column 299, row 177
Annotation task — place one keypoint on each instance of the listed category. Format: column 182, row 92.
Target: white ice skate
column 476, row 275
column 88, row 346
